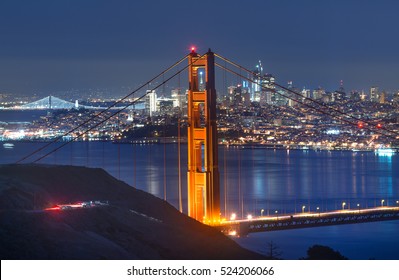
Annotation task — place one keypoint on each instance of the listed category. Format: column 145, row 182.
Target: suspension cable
column 103, row 111
column 117, row 112
column 307, row 98
column 305, row 104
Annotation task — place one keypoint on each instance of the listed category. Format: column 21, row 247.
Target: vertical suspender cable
column 179, row 165
column 87, row 148
column 119, row 149
column 179, row 147
column 70, row 154
column 103, row 153
column 119, row 160
column 225, row 180
column 134, row 165
column 164, row 158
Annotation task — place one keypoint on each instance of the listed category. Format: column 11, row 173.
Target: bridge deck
column 305, row 220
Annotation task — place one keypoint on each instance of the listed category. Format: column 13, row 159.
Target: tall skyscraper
column 382, row 98
column 340, row 94
column 256, row 85
column 263, row 88
column 374, row 94
column 151, row 102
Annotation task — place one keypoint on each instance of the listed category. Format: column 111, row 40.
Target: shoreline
column 173, row 140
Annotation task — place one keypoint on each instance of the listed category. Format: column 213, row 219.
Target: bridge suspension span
column 203, row 187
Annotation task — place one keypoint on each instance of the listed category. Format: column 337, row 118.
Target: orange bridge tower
column 203, row 170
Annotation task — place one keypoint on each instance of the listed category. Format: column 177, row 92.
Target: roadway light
column 358, row 207
column 318, row 210
column 303, row 208
column 343, row 205
column 233, row 216
column 382, row 202
column 276, row 214
column 261, row 212
column 249, row 217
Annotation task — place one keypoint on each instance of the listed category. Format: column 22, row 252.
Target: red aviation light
column 360, row 125
column 379, row 125
column 193, row 49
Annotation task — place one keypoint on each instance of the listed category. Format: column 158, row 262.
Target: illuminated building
column 374, row 94
column 263, row 86
column 151, row 102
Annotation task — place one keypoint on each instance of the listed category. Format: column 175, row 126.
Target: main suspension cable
column 306, row 98
column 117, row 112
column 103, row 111
column 339, row 117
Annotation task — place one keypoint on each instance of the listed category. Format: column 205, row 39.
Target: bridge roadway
column 306, row 220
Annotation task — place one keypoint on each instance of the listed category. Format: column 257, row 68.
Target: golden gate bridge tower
column 203, row 170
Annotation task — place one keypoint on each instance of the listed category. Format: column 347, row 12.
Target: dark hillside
column 135, row 225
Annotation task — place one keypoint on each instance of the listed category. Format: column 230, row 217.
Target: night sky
column 49, row 45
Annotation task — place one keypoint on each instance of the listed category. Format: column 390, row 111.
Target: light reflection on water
column 273, row 180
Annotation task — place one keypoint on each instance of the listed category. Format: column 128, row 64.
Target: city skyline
column 49, row 46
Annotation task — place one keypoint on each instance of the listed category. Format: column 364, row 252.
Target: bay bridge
column 203, row 176
column 54, row 103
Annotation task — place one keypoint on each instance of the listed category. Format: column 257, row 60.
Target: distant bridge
column 54, row 103
column 50, row 102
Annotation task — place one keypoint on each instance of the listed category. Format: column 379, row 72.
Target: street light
column 343, row 205
column 261, row 212
column 249, row 217
column 233, row 216
column 318, row 210
column 201, row 81
column 382, row 202
column 303, row 208
column 276, row 214
column 358, row 207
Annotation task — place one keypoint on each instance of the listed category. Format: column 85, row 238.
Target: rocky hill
column 135, row 225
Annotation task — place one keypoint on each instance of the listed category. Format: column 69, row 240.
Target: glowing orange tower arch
column 203, row 170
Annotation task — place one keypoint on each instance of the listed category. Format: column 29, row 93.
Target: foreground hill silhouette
column 135, row 225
